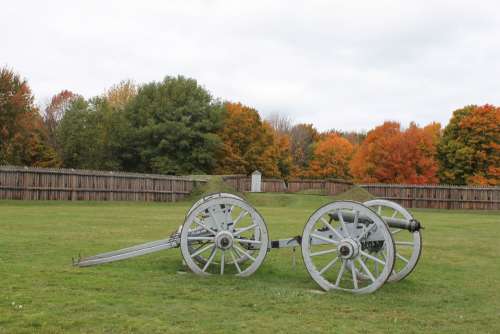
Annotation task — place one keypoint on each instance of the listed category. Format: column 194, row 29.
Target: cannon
column 345, row 245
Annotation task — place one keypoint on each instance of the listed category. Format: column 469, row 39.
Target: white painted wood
column 256, row 182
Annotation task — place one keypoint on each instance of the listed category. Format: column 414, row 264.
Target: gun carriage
column 345, row 245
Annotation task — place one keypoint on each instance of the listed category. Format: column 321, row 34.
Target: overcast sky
column 337, row 64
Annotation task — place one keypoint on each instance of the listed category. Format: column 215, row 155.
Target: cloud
column 336, row 64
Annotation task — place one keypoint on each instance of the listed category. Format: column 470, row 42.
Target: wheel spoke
column 222, row 263
column 394, row 214
column 365, row 268
column 201, row 238
column 235, row 262
column 366, row 231
column 356, row 217
column 354, row 277
column 244, row 229
column 396, row 231
column 331, row 228
column 372, row 257
column 240, row 216
column 329, row 265
column 328, row 251
column 339, row 276
column 402, row 258
column 238, row 249
column 379, row 210
column 203, row 226
column 210, row 259
column 320, row 237
column 199, row 251
column 344, row 227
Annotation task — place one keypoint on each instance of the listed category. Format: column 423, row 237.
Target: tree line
column 175, row 126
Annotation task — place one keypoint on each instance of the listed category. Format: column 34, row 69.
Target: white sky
column 337, row 64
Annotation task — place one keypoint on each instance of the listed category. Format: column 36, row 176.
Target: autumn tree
column 54, row 113
column 391, row 155
column 302, row 139
column 118, row 96
column 248, row 143
column 469, row 152
column 282, row 149
column 331, row 157
column 354, row 137
column 23, row 137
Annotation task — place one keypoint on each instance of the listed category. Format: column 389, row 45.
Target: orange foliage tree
column 469, row 151
column 331, row 157
column 248, row 143
column 390, row 155
column 282, row 152
column 23, row 137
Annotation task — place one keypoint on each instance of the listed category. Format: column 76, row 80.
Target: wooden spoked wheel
column 408, row 244
column 201, row 258
column 341, row 244
column 228, row 234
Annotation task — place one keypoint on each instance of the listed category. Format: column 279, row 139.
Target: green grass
column 455, row 288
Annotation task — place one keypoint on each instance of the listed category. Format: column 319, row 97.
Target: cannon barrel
column 410, row 225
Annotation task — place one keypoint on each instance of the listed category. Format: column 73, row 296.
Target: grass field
column 455, row 288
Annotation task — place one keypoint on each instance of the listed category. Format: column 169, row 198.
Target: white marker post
column 256, row 182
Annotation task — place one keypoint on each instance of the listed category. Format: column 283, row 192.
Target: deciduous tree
column 54, row 113
column 331, row 157
column 121, row 94
column 390, row 155
column 91, row 135
column 283, row 153
column 469, row 152
column 248, row 143
column 302, row 139
column 23, row 137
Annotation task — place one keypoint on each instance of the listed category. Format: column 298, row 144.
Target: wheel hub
column 224, row 240
column 348, row 248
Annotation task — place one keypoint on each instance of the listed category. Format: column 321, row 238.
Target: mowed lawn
column 455, row 288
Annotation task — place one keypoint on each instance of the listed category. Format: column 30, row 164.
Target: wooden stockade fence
column 69, row 184
column 242, row 183
column 410, row 196
column 438, row 196
column 327, row 186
